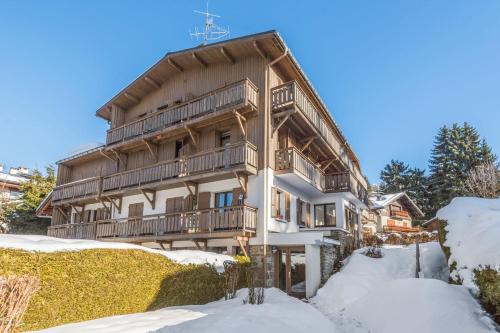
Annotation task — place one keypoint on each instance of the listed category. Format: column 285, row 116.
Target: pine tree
column 394, row 177
column 417, row 188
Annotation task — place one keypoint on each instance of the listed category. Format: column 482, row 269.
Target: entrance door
column 290, row 270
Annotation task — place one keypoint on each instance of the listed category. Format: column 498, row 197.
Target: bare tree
column 483, row 181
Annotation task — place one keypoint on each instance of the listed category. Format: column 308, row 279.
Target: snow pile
column 473, row 235
column 382, row 295
column 279, row 313
column 51, row 244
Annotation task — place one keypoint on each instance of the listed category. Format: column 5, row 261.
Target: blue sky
column 391, row 72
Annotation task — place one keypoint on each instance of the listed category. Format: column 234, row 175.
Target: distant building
column 10, row 183
column 391, row 212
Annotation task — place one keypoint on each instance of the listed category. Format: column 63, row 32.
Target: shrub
column 89, row 284
column 373, row 252
column 488, row 281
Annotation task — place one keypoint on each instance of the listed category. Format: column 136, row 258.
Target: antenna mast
column 211, row 31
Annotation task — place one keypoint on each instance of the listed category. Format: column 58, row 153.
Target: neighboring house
column 10, row 183
column 394, row 212
column 431, row 225
column 225, row 147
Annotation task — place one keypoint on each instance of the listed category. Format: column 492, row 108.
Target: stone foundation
column 264, row 265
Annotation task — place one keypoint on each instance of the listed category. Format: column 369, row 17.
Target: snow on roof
column 473, row 233
column 51, row 244
column 12, row 179
column 382, row 200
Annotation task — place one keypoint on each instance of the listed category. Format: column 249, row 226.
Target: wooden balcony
column 79, row 190
column 236, row 96
column 396, row 228
column 224, row 160
column 291, row 160
column 400, row 214
column 209, row 223
column 291, row 96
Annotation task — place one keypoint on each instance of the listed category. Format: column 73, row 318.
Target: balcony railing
column 292, row 160
column 396, row 228
column 81, row 189
column 209, row 222
column 222, row 158
column 236, row 95
column 400, row 214
column 291, row 95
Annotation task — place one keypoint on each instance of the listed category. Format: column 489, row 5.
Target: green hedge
column 89, row 284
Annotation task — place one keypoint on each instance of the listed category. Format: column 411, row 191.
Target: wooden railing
column 73, row 231
column 241, row 93
column 290, row 94
column 346, row 182
column 400, row 213
column 213, row 160
column 232, row 218
column 397, row 228
column 293, row 160
column 77, row 190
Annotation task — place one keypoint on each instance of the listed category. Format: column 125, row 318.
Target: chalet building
column 10, row 183
column 391, row 212
column 225, row 147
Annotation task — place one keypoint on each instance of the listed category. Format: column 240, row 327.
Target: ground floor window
column 350, row 219
column 324, row 215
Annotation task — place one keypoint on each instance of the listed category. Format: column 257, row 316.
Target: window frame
column 325, row 205
column 225, row 194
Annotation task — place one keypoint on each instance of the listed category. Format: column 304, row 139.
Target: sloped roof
column 381, row 201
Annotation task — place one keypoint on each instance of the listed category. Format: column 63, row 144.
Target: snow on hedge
column 382, row 295
column 279, row 313
column 51, row 244
column 473, row 235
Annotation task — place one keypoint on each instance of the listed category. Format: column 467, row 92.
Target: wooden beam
column 152, row 82
column 327, row 165
column 284, row 113
column 132, row 97
column 118, row 205
column 199, row 60
column 243, row 180
column 229, row 57
column 259, row 50
column 175, row 65
column 193, row 135
column 169, row 244
column 188, row 185
column 308, row 143
column 204, row 241
column 285, row 118
column 243, row 247
column 106, row 155
column 153, row 148
column 152, row 199
column 240, row 119
column 63, row 213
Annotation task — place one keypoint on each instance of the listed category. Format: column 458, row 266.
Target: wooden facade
column 218, row 112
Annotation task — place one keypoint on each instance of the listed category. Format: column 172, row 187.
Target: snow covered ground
column 382, row 295
column 51, row 244
column 279, row 313
column 473, row 235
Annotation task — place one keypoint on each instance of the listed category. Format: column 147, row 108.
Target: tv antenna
column 211, row 31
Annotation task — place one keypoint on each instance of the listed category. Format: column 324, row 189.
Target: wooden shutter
column 136, row 210
column 174, row 205
column 77, row 217
column 188, row 203
column 299, row 211
column 86, row 215
column 204, row 200
column 274, row 208
column 308, row 215
column 287, row 206
column 236, row 194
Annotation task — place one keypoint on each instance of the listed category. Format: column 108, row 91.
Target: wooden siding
column 190, row 224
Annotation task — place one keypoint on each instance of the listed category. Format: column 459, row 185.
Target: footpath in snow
column 382, row 295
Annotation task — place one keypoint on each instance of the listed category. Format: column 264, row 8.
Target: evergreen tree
column 417, row 188
column 394, row 177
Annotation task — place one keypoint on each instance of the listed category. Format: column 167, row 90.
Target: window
column 223, row 199
column 350, row 219
column 324, row 215
column 225, row 138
